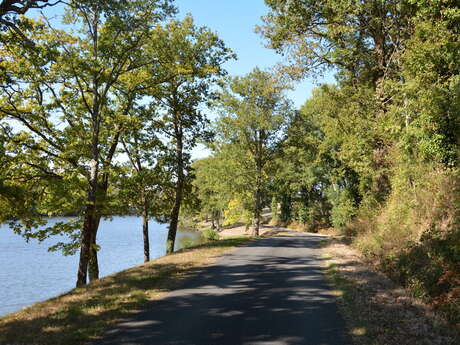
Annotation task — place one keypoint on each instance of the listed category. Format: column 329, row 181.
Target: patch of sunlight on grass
column 360, row 331
column 52, row 329
column 337, row 293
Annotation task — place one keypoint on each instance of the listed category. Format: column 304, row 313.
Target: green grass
column 80, row 315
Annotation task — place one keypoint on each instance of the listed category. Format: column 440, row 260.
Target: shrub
column 186, row 242
column 210, row 235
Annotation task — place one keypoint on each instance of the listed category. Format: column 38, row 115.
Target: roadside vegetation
column 374, row 155
column 378, row 311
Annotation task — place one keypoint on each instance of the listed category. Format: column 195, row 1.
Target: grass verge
column 80, row 315
column 377, row 311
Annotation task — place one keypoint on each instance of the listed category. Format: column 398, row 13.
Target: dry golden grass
column 81, row 314
column 376, row 310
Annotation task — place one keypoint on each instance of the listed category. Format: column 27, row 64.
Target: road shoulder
column 376, row 310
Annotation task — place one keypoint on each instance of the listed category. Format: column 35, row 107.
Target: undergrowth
column 415, row 238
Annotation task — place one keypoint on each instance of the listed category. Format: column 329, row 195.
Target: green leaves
column 254, row 114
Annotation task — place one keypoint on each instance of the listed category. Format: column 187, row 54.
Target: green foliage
column 210, row 235
column 343, row 207
column 187, row 222
column 274, row 209
column 238, row 210
column 187, row 242
column 115, row 74
column 254, row 115
column 377, row 153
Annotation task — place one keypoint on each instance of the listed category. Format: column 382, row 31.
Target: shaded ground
column 271, row 291
column 377, row 311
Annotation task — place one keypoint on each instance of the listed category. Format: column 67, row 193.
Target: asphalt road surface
column 271, row 291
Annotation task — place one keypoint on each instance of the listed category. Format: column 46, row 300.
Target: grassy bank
column 82, row 314
column 378, row 311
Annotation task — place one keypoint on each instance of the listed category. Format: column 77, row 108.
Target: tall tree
column 254, row 114
column 191, row 61
column 71, row 122
column 148, row 181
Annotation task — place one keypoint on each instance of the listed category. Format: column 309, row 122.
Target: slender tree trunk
column 256, row 225
column 145, row 231
column 179, row 188
column 174, row 218
column 257, row 201
column 85, row 247
column 257, row 196
column 218, row 221
column 93, row 264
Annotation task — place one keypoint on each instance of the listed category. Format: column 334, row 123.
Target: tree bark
column 258, row 191
column 85, row 248
column 174, row 218
column 179, row 186
column 256, row 225
column 93, row 264
column 145, row 231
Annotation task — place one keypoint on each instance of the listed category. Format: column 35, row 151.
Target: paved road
column 271, row 291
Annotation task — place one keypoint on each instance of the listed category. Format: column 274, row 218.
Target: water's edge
column 30, row 274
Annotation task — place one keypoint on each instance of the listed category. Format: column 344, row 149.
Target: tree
column 254, row 115
column 148, row 180
column 361, row 38
column 212, row 193
column 191, row 61
column 11, row 9
column 363, row 42
column 63, row 96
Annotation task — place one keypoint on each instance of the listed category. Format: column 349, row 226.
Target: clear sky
column 234, row 21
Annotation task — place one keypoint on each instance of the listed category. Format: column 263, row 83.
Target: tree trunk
column 256, row 224
column 179, row 186
column 145, row 231
column 218, row 221
column 93, row 264
column 174, row 218
column 85, row 248
column 257, row 196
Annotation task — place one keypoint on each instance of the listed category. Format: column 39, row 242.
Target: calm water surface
column 29, row 273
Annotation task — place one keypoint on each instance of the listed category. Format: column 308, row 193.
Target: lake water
column 29, row 273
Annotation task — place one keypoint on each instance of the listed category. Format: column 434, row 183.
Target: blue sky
column 234, row 21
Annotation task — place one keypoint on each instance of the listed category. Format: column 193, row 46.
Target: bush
column 210, row 235
column 415, row 237
column 187, row 242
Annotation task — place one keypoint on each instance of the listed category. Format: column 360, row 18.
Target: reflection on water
column 29, row 273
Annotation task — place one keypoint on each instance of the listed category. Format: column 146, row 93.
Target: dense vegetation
column 376, row 154
column 106, row 107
